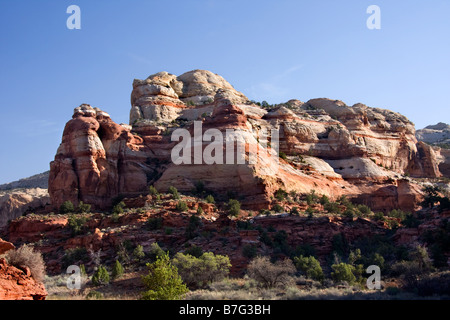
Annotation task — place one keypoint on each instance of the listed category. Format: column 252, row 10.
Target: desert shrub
column 117, row 270
column 234, row 207
column 138, row 253
column 310, row 267
column 193, row 225
column 431, row 196
column 77, row 224
column 168, row 230
column 25, row 256
column 249, row 251
column 199, row 188
column 277, row 208
column 324, row 200
column 94, row 295
column 74, row 255
column 310, row 212
column 199, row 210
column 332, row 207
column 194, row 251
column 348, row 213
column 340, row 244
column 270, row 275
column 343, row 272
column 118, row 208
column 100, row 276
column 305, row 250
column 181, row 206
column 66, row 207
column 154, row 223
column 410, row 221
column 280, row 194
column 294, row 211
column 283, row 155
column 209, row 199
column 83, row 207
column 174, row 192
column 364, row 210
column 199, row 272
column 152, row 191
column 163, row 281
column 434, row 284
column 155, row 251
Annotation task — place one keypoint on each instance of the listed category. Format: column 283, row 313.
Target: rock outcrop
column 15, row 283
column 15, row 203
column 18, row 284
column 439, row 137
column 330, row 147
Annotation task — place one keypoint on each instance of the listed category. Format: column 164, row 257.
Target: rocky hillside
column 36, row 181
column 439, row 137
column 363, row 152
column 435, row 134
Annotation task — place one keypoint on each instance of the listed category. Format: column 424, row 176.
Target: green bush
column 199, row 210
column 152, row 191
column 193, row 225
column 100, row 276
column 66, row 207
column 201, row 271
column 280, row 194
column 155, row 251
column 283, row 155
column 294, row 211
column 94, row 295
column 77, row 224
column 324, row 200
column 174, row 192
column 277, row 208
column 249, row 251
column 234, row 207
column 117, row 270
column 332, row 207
column 343, row 272
column 154, row 223
column 138, row 253
column 118, row 208
column 163, row 281
column 181, row 206
column 210, row 199
column 194, row 251
column 310, row 267
column 83, row 207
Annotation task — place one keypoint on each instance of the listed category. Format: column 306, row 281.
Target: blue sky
column 269, row 50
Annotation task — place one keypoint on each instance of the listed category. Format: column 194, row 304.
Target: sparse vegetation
column 271, row 275
column 26, row 256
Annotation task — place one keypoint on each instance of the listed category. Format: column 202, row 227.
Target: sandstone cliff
column 15, row 283
column 15, row 203
column 333, row 148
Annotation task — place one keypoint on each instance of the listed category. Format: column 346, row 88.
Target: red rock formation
column 18, row 284
column 5, row 246
column 357, row 151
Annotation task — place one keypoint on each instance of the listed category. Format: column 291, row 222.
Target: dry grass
column 25, row 256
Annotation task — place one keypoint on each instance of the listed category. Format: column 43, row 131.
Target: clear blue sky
column 269, row 50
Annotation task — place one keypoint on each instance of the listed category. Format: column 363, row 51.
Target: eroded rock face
column 14, row 203
column 332, row 148
column 15, row 283
column 18, row 284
